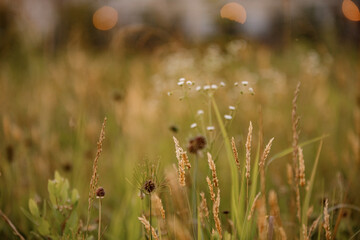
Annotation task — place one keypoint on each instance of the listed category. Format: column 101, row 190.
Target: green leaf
column 34, row 210
column 71, row 223
column 306, row 203
column 44, row 227
column 29, row 216
column 52, row 191
column 58, row 177
column 75, row 196
column 63, row 191
column 290, row 149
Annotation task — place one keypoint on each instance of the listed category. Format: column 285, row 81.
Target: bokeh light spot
column 105, row 18
column 350, row 10
column 234, row 11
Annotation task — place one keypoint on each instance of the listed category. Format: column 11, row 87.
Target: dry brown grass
column 148, row 227
column 95, row 176
column 235, row 152
column 213, row 170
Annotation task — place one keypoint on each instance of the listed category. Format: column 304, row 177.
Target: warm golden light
column 105, row 18
column 234, row 12
column 350, row 10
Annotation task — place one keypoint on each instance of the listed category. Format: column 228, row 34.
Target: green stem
column 233, row 170
column 194, row 196
column 150, row 217
column 99, row 230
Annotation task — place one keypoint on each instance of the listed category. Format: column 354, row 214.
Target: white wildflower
column 214, row 86
column 228, row 117
column 236, row 84
column 181, row 79
column 180, row 83
column 210, row 128
column 189, row 83
column 206, row 87
column 245, row 83
column 198, row 88
column 194, row 125
column 222, row 84
column 232, row 108
column 200, row 112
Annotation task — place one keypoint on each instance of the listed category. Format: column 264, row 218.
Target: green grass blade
column 310, row 185
column 289, row 150
column 233, row 168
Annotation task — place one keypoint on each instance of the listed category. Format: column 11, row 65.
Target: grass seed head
column 248, row 151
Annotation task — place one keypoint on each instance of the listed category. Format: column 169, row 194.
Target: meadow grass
column 70, row 94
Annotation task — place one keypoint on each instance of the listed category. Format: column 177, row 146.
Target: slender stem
column 7, row 220
column 194, row 196
column 99, row 230
column 150, row 216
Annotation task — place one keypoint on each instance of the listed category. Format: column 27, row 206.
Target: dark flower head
column 100, row 192
column 149, row 186
column 196, row 144
column 148, row 178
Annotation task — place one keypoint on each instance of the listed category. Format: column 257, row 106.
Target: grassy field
column 52, row 108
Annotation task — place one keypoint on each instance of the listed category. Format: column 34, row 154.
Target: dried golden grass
column 235, row 152
column 148, row 227
column 95, row 175
column 203, row 209
column 326, row 224
column 253, row 206
column 158, row 205
column 211, row 189
column 213, row 170
column 183, row 162
column 248, row 151
column 262, row 165
column 301, row 167
column 216, row 206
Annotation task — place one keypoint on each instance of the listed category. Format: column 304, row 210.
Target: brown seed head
column 301, row 167
column 196, row 144
column 236, row 155
column 213, row 170
column 149, row 186
column 248, row 151
column 326, row 224
column 100, row 192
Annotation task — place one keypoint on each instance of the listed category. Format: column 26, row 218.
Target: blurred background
column 65, row 64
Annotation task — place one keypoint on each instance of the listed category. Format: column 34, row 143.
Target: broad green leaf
column 34, row 208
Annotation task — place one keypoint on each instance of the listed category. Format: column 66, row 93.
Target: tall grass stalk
column 306, row 202
column 194, row 197
column 99, row 230
column 233, row 169
column 150, row 215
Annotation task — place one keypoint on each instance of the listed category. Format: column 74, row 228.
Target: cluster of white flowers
column 212, row 87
